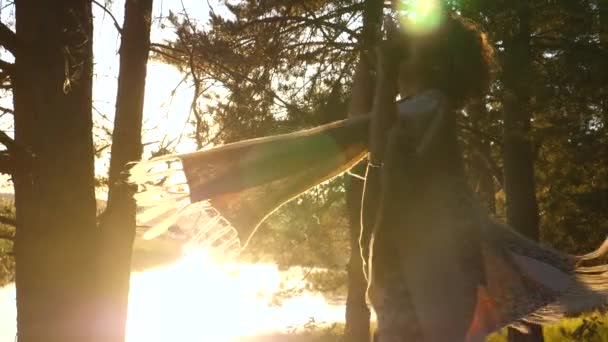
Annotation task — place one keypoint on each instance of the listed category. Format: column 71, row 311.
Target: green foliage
column 591, row 328
column 311, row 231
column 588, row 328
column 567, row 87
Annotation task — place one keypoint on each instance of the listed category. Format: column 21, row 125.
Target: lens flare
column 420, row 16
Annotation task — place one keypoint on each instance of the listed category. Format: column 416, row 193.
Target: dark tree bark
column 357, row 325
column 522, row 208
column 603, row 28
column 603, row 17
column 118, row 221
column 56, row 240
column 481, row 159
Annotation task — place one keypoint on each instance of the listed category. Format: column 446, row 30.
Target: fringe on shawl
column 163, row 199
column 588, row 293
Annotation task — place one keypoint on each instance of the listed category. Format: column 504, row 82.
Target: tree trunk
column 118, row 221
column 357, row 327
column 603, row 29
column 603, row 21
column 56, row 242
column 522, row 208
column 481, row 158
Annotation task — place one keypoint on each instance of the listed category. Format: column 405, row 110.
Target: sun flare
column 420, row 16
column 198, row 299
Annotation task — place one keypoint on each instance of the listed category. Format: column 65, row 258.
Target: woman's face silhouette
column 413, row 70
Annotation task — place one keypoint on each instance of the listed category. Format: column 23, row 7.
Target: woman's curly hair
column 458, row 59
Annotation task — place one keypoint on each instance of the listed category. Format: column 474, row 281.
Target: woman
column 440, row 269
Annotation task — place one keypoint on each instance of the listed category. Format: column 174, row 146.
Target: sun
column 420, row 16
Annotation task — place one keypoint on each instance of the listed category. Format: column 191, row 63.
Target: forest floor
column 592, row 328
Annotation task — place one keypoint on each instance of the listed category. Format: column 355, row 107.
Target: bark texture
column 56, row 240
column 118, row 221
column 522, row 208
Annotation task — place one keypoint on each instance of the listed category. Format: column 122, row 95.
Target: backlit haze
column 195, row 299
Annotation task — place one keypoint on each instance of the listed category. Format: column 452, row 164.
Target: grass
column 308, row 333
column 588, row 328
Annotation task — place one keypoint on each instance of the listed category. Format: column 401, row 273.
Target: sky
column 167, row 98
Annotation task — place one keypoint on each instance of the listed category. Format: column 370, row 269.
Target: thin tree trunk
column 603, row 21
column 56, row 241
column 482, row 151
column 522, row 208
column 118, row 221
column 357, row 327
column 603, row 29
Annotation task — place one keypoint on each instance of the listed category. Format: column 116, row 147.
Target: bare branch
column 7, row 163
column 6, row 140
column 6, row 66
column 7, row 110
column 8, row 38
column 157, row 48
column 108, row 12
column 102, row 148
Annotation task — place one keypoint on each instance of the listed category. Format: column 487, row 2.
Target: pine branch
column 109, row 13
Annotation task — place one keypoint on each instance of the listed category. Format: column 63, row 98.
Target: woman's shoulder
column 422, row 103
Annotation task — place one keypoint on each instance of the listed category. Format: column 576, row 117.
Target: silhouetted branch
column 319, row 21
column 7, row 164
column 6, row 140
column 302, row 20
column 102, row 148
column 226, row 70
column 8, row 38
column 6, row 66
column 105, row 9
column 7, row 110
